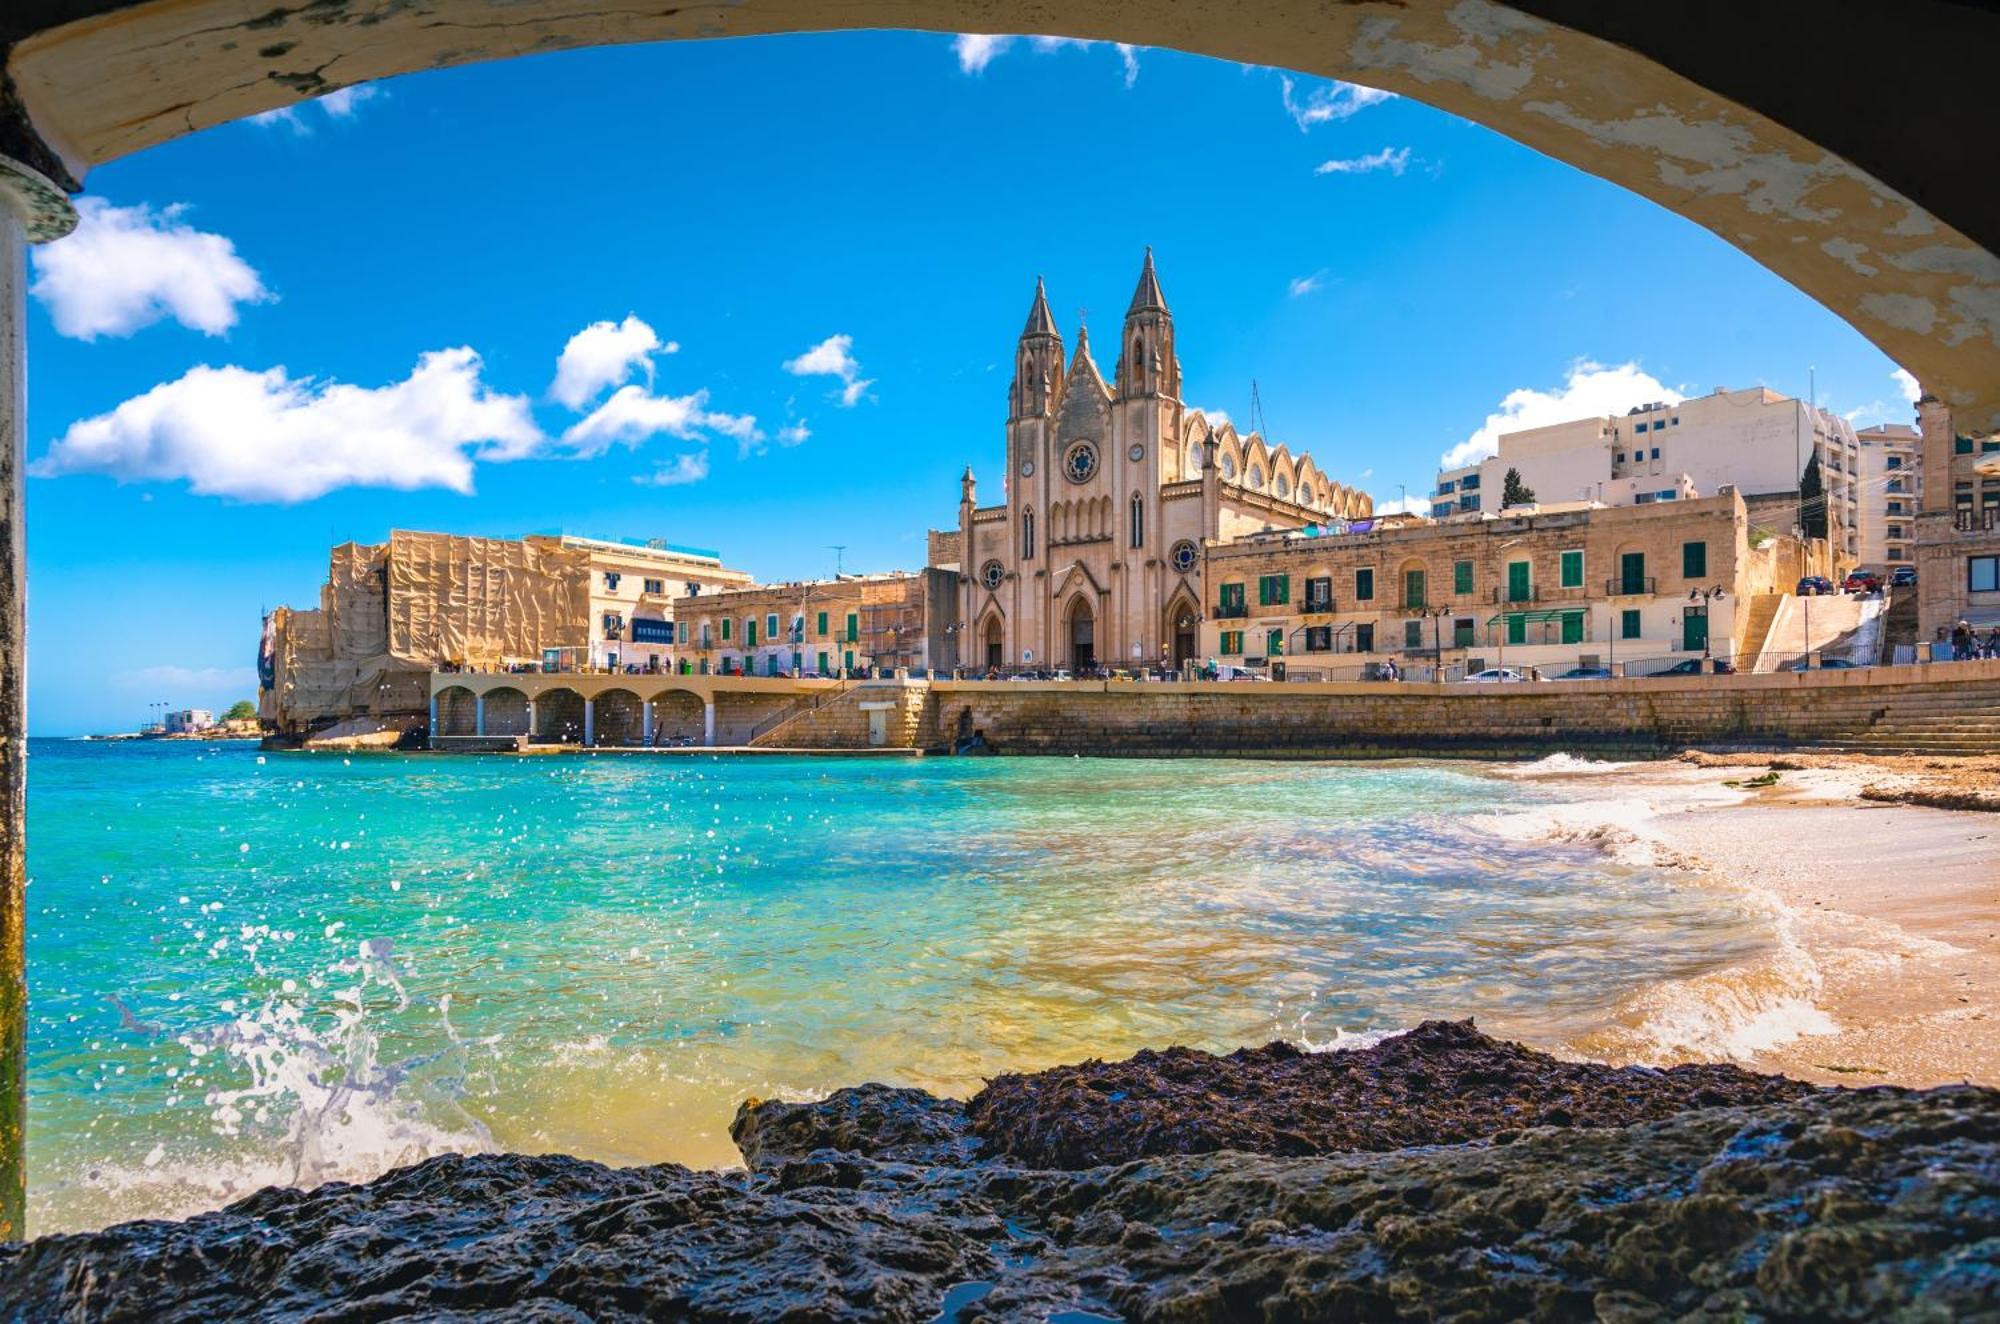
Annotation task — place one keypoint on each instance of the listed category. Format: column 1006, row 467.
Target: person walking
column 1961, row 642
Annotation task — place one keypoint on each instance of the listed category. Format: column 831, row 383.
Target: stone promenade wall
column 1944, row 708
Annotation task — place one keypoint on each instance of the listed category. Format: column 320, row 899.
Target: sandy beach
column 1889, row 909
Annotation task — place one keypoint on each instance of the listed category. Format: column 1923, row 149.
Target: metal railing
column 800, row 707
column 1630, row 586
column 1232, row 611
column 1976, row 521
column 1501, row 597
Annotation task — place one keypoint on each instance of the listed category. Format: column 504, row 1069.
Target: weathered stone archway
column 457, row 712
column 679, row 718
column 558, row 717
column 506, row 712
column 617, row 719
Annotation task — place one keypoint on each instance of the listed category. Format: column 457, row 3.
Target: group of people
column 1964, row 644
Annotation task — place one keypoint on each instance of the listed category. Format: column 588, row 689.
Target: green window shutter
column 850, row 659
column 822, row 657
column 1520, row 582
column 1264, row 591
column 822, row 626
column 853, row 629
column 1413, row 634
column 1572, row 569
column 1517, row 629
column 725, row 628
column 1628, row 623
column 1572, row 627
column 750, row 631
column 1364, row 586
column 1413, row 588
column 1284, row 589
column 1694, row 560
column 1461, row 577
column 1232, row 642
column 1274, row 643
column 1462, row 634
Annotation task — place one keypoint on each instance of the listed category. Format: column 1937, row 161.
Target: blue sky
column 828, row 245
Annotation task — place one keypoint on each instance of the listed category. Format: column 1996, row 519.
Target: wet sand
column 1896, row 906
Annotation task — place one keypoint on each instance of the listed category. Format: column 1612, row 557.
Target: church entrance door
column 995, row 658
column 1082, row 636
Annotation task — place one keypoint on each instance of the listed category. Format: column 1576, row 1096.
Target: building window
column 1469, row 483
column 657, row 587
column 771, row 625
column 853, row 629
column 1638, row 427
column 1364, row 586
column 1517, row 628
column 749, row 631
column 645, row 631
column 1628, row 623
column 823, row 660
column 1618, row 457
column 1319, row 638
column 1274, row 590
column 1274, row 643
column 1414, row 589
column 1982, row 574
column 1893, row 462
column 727, row 622
column 1961, row 446
column 614, row 625
column 1520, row 581
column 1364, row 637
column 611, row 581
column 1319, row 594
column 1230, row 601
column 1461, row 578
column 1138, row 520
column 1232, row 643
column 798, row 634
column 822, row 629
column 1572, row 569
column 1413, row 634
column 1184, row 556
column 1463, row 632
column 1028, row 534
column 1694, row 560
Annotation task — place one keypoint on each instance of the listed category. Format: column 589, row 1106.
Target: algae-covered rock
column 881, row 1204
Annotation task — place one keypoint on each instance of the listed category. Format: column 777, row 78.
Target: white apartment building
column 1756, row 440
column 1892, row 485
column 637, row 587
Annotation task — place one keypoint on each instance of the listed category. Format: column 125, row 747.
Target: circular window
column 1027, row 468
column 1256, row 478
column 1080, row 462
column 992, row 573
column 1184, row 555
column 1228, row 466
column 1137, row 452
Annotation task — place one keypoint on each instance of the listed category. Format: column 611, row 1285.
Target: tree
column 241, row 711
column 1513, row 492
column 1812, row 501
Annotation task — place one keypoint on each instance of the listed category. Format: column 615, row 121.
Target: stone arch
column 617, row 720
column 679, row 718
column 1413, row 594
column 506, row 712
column 1079, row 638
column 1180, row 628
column 457, row 712
column 992, row 636
column 558, row 717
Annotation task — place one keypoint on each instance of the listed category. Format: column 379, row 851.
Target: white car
column 1495, row 676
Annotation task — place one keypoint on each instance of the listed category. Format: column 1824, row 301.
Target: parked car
column 1495, row 676
column 1812, row 585
column 1697, row 666
column 1861, row 581
column 1904, row 576
column 1825, row 664
column 1585, row 673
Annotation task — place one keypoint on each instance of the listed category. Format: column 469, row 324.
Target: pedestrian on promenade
column 1993, row 642
column 1961, row 642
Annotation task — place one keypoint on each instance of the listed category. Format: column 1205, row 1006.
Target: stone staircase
column 1756, row 630
column 1963, row 722
column 1841, row 626
column 845, row 719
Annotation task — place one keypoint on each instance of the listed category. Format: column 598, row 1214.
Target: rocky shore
column 1437, row 1175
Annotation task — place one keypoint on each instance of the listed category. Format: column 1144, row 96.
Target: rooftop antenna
column 1257, row 423
column 837, row 548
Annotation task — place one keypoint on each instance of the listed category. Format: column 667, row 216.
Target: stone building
column 822, row 627
column 1111, row 492
column 1556, row 587
column 1958, row 525
column 1756, row 440
column 635, row 587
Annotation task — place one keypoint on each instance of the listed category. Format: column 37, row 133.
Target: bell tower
column 1147, row 363
column 1038, row 364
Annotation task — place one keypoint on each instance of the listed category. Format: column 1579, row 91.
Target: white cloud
column 1335, row 101
column 1303, row 285
column 689, row 468
column 337, row 105
column 1392, row 159
column 793, row 434
column 171, row 679
column 1907, row 383
column 1591, row 390
column 634, row 414
column 124, row 268
column 834, row 357
column 977, row 50
column 264, row 436
column 1403, row 505
column 605, row 354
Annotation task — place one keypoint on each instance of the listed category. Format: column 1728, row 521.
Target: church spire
column 1147, row 298
column 1040, row 322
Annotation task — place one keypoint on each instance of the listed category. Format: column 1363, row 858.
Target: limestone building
column 1892, row 484
column 1111, row 492
column 1958, row 525
column 823, row 627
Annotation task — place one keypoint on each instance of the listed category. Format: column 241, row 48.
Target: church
column 1113, row 492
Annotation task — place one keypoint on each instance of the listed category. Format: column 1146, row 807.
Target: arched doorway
column 558, row 717
column 457, row 712
column 618, row 719
column 993, row 642
column 506, row 712
column 679, row 718
column 1181, row 628
column 1081, row 632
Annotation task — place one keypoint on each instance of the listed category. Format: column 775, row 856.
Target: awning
column 1541, row 614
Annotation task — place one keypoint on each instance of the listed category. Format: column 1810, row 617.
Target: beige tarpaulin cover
column 391, row 613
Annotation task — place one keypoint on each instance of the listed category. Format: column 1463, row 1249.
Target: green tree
column 1513, row 492
column 1812, row 501
column 241, row 711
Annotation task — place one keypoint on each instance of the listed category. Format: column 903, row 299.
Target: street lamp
column 1437, row 615
column 1705, row 596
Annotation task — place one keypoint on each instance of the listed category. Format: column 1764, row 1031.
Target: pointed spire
column 1040, row 322
column 1147, row 298
column 1082, row 354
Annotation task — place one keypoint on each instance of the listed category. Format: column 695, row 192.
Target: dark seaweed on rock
column 875, row 1205
column 1442, row 1083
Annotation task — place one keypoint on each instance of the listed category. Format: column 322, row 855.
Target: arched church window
column 1194, row 457
column 1028, row 534
column 991, row 574
column 1184, row 556
column 1256, row 478
column 1228, row 465
column 1283, row 485
column 1138, row 520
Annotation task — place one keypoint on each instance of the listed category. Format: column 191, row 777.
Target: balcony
column 1232, row 611
column 1631, row 586
column 1976, row 521
column 1319, row 604
column 1505, row 596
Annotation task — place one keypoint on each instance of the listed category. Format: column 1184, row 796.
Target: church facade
column 1114, row 490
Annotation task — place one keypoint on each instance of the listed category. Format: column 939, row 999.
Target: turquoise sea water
column 251, row 968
